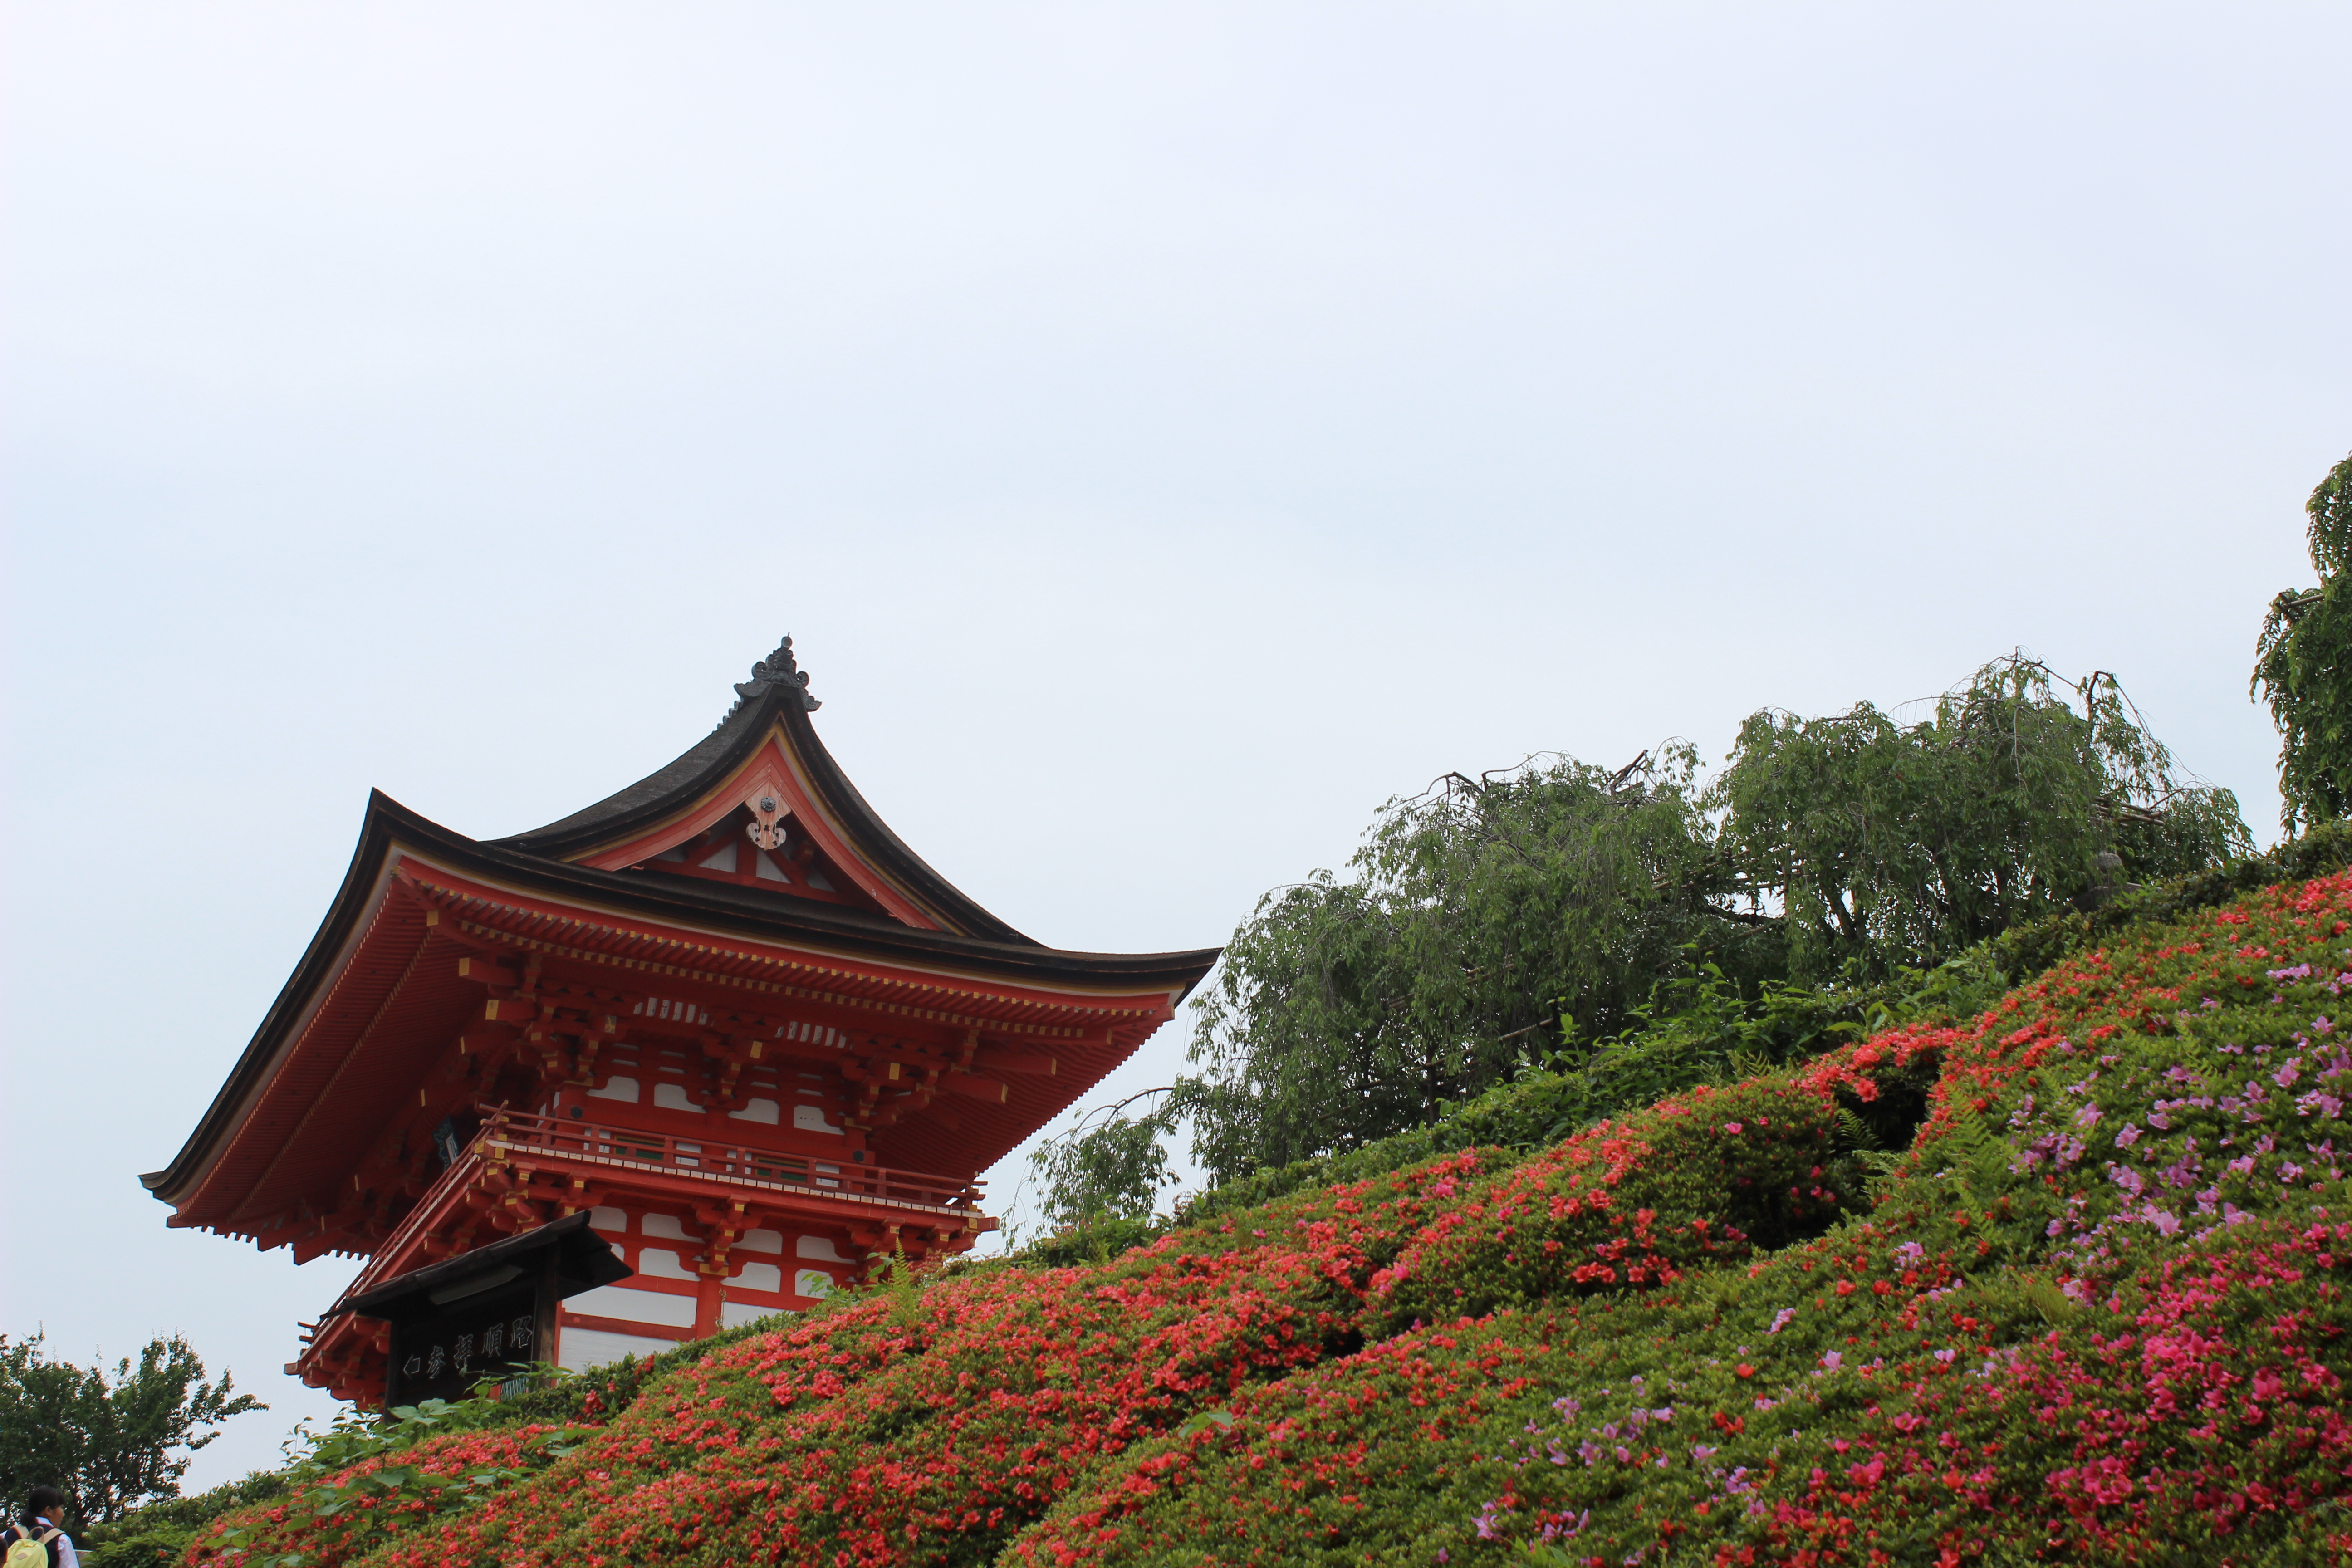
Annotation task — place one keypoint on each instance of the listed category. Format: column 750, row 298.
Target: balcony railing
column 522, row 1138
column 511, row 1138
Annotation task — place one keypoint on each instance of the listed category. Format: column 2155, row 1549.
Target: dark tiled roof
column 776, row 697
column 675, row 777
column 390, row 829
column 969, row 940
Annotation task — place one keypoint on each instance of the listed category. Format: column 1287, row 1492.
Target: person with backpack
column 36, row 1540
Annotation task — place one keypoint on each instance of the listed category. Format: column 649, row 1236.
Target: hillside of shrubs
column 2043, row 1258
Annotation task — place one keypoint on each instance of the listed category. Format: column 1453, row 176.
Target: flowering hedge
column 876, row 1433
column 2198, row 1403
column 1364, row 1453
column 1691, row 1183
column 350, row 1510
column 2096, row 1311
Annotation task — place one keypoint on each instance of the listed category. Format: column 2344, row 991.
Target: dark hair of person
column 42, row 1500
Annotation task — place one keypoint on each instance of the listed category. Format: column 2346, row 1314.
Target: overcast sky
column 1169, row 431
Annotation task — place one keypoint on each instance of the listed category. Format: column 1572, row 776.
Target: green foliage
column 1906, row 844
column 451, row 1460
column 108, row 1444
column 361, row 1474
column 2092, row 1267
column 2026, row 950
column 353, row 1438
column 1482, row 913
column 895, row 1279
column 1113, row 1170
column 1096, row 1240
column 569, row 1398
column 1693, row 1184
column 1694, row 1029
column 2090, row 1317
column 1664, row 927
column 158, row 1533
column 2302, row 666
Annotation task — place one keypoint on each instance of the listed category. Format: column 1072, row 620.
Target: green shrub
column 2098, row 1309
column 2026, row 951
column 1699, row 1182
column 2101, row 1311
column 160, row 1531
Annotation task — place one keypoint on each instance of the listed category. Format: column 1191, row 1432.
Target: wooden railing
column 518, row 1136
column 513, row 1135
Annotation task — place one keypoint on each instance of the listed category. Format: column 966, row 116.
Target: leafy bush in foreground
column 2096, row 1312
column 350, row 1509
column 1634, row 1429
column 159, row 1533
column 1640, row 1202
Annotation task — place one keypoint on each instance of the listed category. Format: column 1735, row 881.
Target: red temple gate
column 725, row 1013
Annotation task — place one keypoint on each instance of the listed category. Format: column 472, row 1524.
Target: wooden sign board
column 441, row 1353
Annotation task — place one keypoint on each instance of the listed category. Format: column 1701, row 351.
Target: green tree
column 2302, row 666
column 1111, row 1168
column 1495, row 924
column 107, row 1444
column 1893, row 845
column 1485, row 913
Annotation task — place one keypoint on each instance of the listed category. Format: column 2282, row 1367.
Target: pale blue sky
column 1167, row 430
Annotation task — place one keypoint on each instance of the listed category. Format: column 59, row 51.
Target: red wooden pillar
column 711, row 1291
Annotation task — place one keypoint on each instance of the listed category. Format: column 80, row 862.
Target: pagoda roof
column 375, row 997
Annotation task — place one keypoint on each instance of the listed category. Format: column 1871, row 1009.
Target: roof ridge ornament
column 779, row 668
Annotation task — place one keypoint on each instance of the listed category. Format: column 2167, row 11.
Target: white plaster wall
column 661, row 1263
column 584, row 1348
column 634, row 1306
column 758, row 1276
column 732, row 1314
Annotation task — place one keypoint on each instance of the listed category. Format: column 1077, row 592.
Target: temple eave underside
column 454, row 995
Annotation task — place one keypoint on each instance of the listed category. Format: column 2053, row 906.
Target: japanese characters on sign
column 444, row 1352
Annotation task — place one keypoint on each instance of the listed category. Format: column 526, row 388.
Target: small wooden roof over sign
column 584, row 1260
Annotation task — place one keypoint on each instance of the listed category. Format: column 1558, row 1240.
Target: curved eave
column 676, row 788
column 390, row 829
